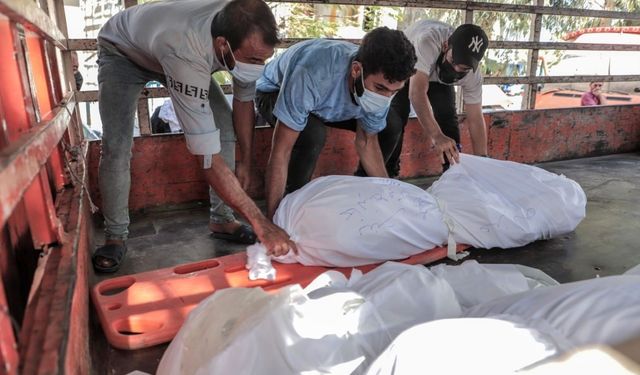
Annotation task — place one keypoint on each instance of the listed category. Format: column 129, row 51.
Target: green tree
column 303, row 23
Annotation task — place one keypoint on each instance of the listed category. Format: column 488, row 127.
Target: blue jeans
column 120, row 83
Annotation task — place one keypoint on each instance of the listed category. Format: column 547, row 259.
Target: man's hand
column 223, row 181
column 275, row 239
column 447, row 146
column 243, row 173
column 418, row 87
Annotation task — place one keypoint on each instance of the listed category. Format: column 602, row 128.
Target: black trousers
column 309, row 144
column 443, row 101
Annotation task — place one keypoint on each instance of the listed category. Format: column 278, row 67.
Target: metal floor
column 607, row 242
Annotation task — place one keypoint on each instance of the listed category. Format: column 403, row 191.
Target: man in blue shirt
column 320, row 83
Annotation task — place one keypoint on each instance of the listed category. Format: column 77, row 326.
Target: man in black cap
column 446, row 57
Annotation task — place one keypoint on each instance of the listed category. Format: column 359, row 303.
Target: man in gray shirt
column 180, row 43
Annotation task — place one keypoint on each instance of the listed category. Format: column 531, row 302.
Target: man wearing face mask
column 181, row 43
column 446, row 58
column 322, row 83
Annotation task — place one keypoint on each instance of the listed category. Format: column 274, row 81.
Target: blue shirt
column 312, row 77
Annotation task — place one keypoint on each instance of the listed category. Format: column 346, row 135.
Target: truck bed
column 605, row 243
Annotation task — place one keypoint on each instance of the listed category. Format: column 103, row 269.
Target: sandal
column 244, row 235
column 109, row 254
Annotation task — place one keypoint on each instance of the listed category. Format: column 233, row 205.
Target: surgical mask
column 243, row 72
column 446, row 73
column 371, row 102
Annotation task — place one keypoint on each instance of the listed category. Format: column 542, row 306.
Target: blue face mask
column 371, row 102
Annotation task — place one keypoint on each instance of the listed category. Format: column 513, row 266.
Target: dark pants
column 443, row 101
column 309, row 144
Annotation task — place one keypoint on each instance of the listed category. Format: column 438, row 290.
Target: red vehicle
column 563, row 98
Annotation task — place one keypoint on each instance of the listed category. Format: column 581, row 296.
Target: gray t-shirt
column 174, row 38
column 427, row 37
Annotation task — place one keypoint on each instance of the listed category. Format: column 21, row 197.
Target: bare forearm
column 370, row 154
column 424, row 112
column 224, row 182
column 276, row 180
column 418, row 88
column 226, row 185
column 244, row 124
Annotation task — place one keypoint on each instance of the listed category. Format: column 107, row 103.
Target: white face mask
column 370, row 101
column 243, row 72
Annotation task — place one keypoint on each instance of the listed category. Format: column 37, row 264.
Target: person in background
column 180, row 44
column 77, row 76
column 593, row 96
column 164, row 119
column 447, row 57
column 323, row 83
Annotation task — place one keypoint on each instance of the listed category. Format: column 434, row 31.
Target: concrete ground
column 607, row 242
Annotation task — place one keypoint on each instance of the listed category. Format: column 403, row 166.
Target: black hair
column 387, row 51
column 241, row 18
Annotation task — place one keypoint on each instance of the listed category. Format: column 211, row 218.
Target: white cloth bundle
column 350, row 221
column 335, row 326
column 519, row 330
column 496, row 203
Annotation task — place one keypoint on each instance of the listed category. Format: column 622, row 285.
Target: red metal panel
column 19, row 97
column 25, row 74
column 37, row 62
column 23, row 160
column 8, row 345
column 55, row 167
column 29, row 14
column 55, row 330
column 11, row 90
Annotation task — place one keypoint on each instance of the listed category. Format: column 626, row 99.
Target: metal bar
column 92, row 96
column 468, row 16
column 560, row 79
column 482, row 6
column 498, row 44
column 143, row 116
column 91, row 45
column 147, row 93
column 22, row 160
column 24, row 70
column 67, row 78
column 530, row 95
column 56, row 165
column 31, row 16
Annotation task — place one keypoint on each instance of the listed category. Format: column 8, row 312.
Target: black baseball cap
column 468, row 44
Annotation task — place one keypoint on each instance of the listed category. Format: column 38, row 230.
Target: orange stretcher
column 145, row 309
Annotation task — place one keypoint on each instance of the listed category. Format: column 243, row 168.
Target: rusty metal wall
column 43, row 299
column 163, row 172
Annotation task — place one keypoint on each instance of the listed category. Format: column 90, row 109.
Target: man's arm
column 369, row 152
column 226, row 185
column 278, row 165
column 418, row 87
column 244, row 124
column 477, row 128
